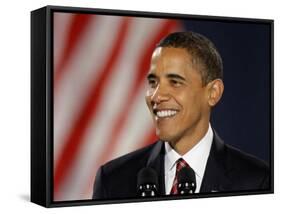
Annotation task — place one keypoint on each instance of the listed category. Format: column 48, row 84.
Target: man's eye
column 175, row 82
column 152, row 83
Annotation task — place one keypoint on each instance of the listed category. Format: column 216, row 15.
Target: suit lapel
column 156, row 161
column 215, row 177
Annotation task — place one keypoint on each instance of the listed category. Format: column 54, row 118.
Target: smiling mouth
column 165, row 113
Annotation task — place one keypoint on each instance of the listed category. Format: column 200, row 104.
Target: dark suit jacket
column 227, row 170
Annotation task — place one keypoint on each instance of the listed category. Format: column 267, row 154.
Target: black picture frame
column 42, row 102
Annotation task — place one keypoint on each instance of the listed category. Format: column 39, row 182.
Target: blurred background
column 100, row 66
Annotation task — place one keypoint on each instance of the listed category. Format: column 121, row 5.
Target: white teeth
column 166, row 113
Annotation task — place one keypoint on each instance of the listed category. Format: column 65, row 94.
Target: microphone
column 186, row 181
column 147, row 182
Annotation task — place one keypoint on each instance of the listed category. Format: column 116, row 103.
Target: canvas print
column 159, row 106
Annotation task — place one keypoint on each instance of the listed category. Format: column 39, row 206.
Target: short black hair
column 201, row 49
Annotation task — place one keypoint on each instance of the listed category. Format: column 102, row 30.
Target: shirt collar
column 196, row 158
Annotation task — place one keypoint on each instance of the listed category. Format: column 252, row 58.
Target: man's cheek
column 149, row 92
column 147, row 101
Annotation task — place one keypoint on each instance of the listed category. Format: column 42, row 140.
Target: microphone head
column 147, row 182
column 186, row 175
column 186, row 181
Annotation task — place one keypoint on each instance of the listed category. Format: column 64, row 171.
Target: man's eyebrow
column 175, row 76
column 151, row 76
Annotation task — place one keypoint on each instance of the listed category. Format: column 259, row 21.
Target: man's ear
column 215, row 91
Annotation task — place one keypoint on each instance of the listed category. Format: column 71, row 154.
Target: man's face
column 176, row 96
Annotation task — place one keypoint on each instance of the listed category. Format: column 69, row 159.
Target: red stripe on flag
column 74, row 140
column 143, row 66
column 77, row 28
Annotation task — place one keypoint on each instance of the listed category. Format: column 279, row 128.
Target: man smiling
column 179, row 98
column 184, row 84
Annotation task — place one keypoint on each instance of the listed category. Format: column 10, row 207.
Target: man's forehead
column 170, row 57
column 170, row 53
column 157, row 52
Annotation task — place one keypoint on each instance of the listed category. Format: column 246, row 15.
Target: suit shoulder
column 118, row 177
column 133, row 159
column 244, row 161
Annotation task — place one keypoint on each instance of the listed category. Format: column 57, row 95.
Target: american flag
column 100, row 67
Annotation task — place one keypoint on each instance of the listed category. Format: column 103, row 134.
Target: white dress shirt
column 196, row 158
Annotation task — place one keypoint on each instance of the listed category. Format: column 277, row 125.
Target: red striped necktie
column 180, row 164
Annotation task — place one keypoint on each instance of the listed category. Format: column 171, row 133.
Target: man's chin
column 165, row 136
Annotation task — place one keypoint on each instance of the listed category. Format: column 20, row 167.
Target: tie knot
column 181, row 163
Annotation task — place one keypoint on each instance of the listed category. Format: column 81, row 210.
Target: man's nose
column 160, row 94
